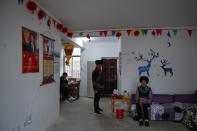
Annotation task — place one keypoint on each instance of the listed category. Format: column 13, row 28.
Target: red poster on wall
column 30, row 51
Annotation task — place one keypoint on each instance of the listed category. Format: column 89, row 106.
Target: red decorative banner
column 88, row 36
column 70, row 34
column 153, row 33
column 118, row 34
column 105, row 33
column 101, row 33
column 64, row 30
column 136, row 33
column 40, row 14
column 159, row 31
column 190, row 32
column 128, row 32
column 32, row 6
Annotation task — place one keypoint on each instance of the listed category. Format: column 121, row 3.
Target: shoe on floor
column 141, row 122
column 97, row 112
column 100, row 109
column 146, row 123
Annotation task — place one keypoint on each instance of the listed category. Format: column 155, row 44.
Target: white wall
column 182, row 56
column 21, row 94
column 94, row 50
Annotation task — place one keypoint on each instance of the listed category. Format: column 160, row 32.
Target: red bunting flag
column 49, row 22
column 88, row 36
column 64, row 30
column 136, row 33
column 70, row 34
column 159, row 31
column 128, row 32
column 153, row 33
column 105, row 33
column 189, row 32
column 118, row 34
column 59, row 26
column 101, row 33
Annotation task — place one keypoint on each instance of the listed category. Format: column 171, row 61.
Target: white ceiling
column 79, row 15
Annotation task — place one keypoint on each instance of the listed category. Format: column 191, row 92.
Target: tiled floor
column 79, row 116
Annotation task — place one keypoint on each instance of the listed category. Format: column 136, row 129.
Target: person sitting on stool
column 97, row 84
column 143, row 99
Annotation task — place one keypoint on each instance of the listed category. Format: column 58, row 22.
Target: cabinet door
column 109, row 75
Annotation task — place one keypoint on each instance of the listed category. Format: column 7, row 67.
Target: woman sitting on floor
column 143, row 99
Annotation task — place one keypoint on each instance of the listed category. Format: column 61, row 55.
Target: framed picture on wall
column 30, row 51
column 48, row 60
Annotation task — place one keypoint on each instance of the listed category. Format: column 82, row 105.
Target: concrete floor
column 79, row 116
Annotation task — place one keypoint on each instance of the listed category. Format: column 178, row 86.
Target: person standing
column 63, row 86
column 143, row 99
column 97, row 84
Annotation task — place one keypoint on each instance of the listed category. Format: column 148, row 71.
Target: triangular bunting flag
column 70, row 34
column 128, row 32
column 118, row 34
column 113, row 32
column 153, row 33
column 81, row 34
column 142, row 32
column 49, row 23
column 105, row 33
column 52, row 21
column 101, row 33
column 136, row 33
column 20, row 2
column 159, row 31
column 132, row 32
column 88, row 36
column 145, row 32
column 168, row 34
column 175, row 31
column 189, row 32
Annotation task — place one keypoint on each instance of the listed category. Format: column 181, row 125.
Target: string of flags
column 42, row 15
column 136, row 33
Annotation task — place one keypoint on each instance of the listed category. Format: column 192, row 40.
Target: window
column 74, row 69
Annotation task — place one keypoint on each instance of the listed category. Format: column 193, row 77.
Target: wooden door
column 109, row 76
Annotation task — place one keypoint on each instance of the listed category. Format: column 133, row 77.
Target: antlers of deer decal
column 146, row 68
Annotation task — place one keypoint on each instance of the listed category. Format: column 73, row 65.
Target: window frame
column 72, row 64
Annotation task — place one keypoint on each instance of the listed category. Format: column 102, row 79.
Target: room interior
column 134, row 38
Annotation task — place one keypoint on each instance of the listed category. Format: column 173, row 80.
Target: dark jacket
column 63, row 83
column 96, row 79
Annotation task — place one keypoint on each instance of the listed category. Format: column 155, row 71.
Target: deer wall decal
column 146, row 68
column 164, row 63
